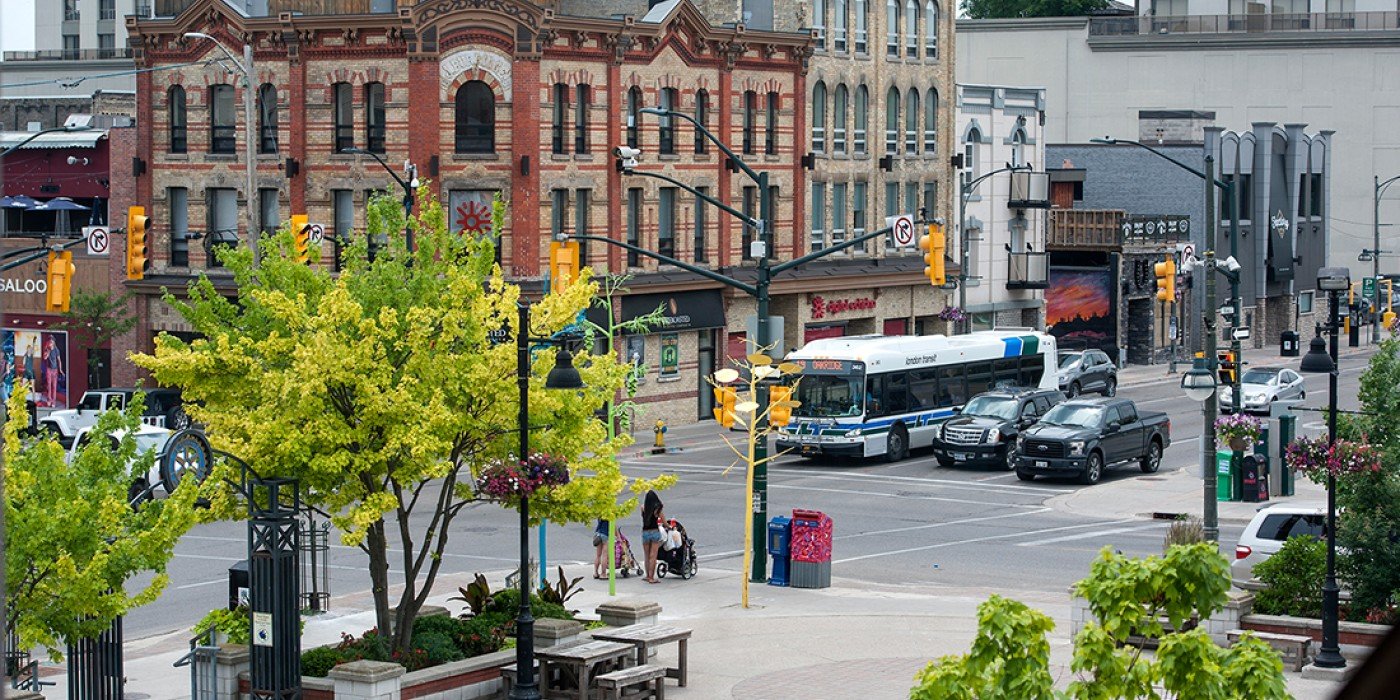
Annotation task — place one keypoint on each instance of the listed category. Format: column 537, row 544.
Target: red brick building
column 483, row 97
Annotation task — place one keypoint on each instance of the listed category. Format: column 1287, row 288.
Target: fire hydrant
column 659, row 447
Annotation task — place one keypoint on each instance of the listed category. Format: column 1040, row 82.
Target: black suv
column 985, row 429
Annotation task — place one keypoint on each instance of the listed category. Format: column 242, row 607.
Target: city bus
column 877, row 395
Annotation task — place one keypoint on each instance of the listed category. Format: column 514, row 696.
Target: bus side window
column 897, row 393
column 1032, row 370
column 951, row 391
column 874, row 395
column 923, row 389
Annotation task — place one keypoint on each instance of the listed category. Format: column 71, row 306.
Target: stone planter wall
column 1354, row 637
column 1217, row 625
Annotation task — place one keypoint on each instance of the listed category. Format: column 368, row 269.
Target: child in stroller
column 677, row 551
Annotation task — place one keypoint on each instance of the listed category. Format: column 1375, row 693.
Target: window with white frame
column 858, row 205
column 818, row 215
column 931, row 121
column 819, row 22
column 969, row 171
column 1018, row 147
column 892, row 121
column 892, row 27
column 838, row 212
column 859, row 35
column 819, row 117
column 930, row 29
column 862, row 119
column 838, row 121
column 838, row 25
column 911, row 28
column 911, row 123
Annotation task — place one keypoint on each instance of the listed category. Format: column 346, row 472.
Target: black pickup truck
column 1081, row 437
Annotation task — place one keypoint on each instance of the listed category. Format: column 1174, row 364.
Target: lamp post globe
column 1198, row 383
column 1317, row 361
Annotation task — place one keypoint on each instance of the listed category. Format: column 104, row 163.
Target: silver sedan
column 1262, row 387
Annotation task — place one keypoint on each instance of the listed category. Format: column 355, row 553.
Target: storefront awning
column 58, row 139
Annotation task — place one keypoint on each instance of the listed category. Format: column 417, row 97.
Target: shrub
column 1294, row 577
column 508, row 601
column 481, row 635
column 319, row 661
column 232, row 624
column 1185, row 530
column 437, row 647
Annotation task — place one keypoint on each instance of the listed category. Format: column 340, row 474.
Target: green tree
column 1128, row 598
column 380, row 389
column 1008, row 9
column 1293, row 579
column 100, row 316
column 73, row 541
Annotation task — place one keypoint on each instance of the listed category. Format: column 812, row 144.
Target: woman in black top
column 651, row 532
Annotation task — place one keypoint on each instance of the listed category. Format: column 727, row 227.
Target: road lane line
column 235, row 560
column 391, row 550
column 1087, row 535
column 201, row 583
column 891, row 478
column 975, row 540
column 817, row 489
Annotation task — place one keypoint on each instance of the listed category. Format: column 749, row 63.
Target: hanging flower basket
column 1317, row 460
column 1239, row 430
column 503, row 479
column 953, row 314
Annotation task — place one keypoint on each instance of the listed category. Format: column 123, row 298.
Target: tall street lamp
column 1376, row 260
column 562, row 376
column 964, row 193
column 759, row 290
column 408, row 186
column 1332, row 280
column 246, row 68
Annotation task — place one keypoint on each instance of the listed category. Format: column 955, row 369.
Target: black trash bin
column 1289, row 343
column 238, row 583
column 1250, row 478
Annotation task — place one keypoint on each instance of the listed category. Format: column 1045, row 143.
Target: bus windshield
column 828, row 396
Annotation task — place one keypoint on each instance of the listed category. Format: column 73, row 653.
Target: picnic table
column 644, row 637
column 579, row 661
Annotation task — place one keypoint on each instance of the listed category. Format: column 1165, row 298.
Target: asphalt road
column 911, row 522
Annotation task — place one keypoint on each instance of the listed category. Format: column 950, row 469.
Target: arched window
column 892, row 27
column 911, row 123
column 770, row 125
column 860, row 33
column 892, row 121
column 838, row 120
column 911, row 28
column 475, row 118
column 221, row 119
column 374, row 117
column 560, row 119
column 342, row 103
column 862, row 119
column 750, row 121
column 969, row 170
column 267, row 118
column 838, row 24
column 931, row 121
column 670, row 99
column 819, row 118
column 1018, row 147
column 179, row 134
column 702, row 115
column 634, row 116
column 930, row 29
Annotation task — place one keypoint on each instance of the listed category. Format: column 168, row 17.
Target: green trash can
column 1225, row 473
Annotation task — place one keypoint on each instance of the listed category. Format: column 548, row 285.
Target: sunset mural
column 1079, row 307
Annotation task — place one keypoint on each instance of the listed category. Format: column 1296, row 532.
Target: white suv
column 1266, row 533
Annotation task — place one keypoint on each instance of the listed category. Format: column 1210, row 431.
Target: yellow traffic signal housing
column 725, row 400
column 1166, row 279
column 933, row 244
column 301, row 238
column 1227, row 367
column 779, row 408
column 60, row 282
column 563, row 263
column 137, row 259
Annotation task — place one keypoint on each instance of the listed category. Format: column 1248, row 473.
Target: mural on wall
column 40, row 358
column 1080, row 309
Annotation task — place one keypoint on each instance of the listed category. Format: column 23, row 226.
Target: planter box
column 1218, row 625
column 477, row 677
column 1353, row 637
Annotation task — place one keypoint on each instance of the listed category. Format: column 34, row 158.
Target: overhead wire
column 73, row 82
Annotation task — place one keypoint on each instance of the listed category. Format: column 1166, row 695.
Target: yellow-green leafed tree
column 381, row 391
column 72, row 539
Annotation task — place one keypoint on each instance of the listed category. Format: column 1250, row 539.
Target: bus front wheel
column 898, row 447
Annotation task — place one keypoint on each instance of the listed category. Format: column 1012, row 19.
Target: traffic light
column 563, row 263
column 60, row 282
column 779, row 408
column 933, row 244
column 301, row 238
column 725, row 399
column 137, row 225
column 1227, row 367
column 1166, row 279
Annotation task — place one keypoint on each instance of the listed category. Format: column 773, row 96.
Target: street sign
column 1157, row 227
column 262, row 629
column 1368, row 288
column 903, row 230
column 99, row 240
column 1239, row 333
column 315, row 233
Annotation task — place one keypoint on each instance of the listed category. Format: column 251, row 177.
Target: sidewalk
column 1143, row 375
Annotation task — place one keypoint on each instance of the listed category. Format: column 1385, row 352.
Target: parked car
column 1262, row 387
column 164, row 408
column 1266, row 533
column 1083, row 371
column 984, row 432
column 161, row 471
column 1082, row 437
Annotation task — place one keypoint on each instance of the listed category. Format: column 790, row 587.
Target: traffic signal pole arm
column 38, row 253
column 741, row 216
column 850, row 243
column 738, row 162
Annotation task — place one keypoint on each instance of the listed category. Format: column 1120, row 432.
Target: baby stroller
column 677, row 553
column 623, row 560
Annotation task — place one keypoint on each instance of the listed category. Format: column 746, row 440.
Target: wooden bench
column 631, row 682
column 1292, row 647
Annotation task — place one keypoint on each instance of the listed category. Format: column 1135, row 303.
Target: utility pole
column 1210, row 409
